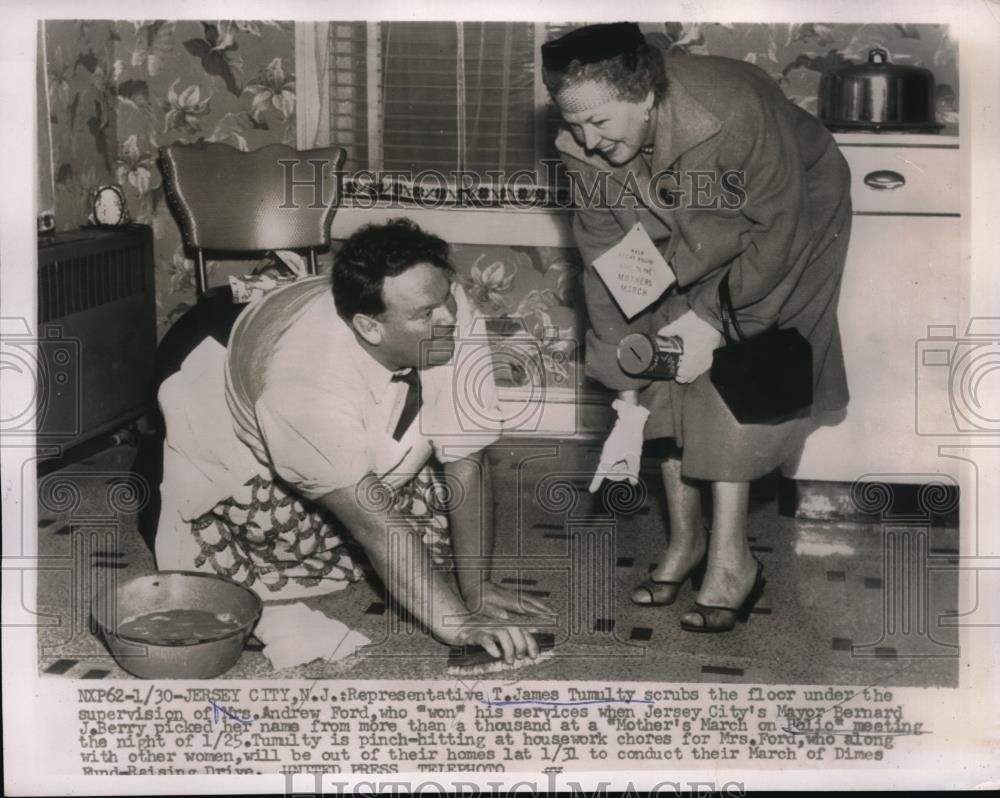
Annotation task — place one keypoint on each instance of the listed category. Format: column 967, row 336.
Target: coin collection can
column 641, row 355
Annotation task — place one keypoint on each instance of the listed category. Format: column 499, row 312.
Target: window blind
column 451, row 96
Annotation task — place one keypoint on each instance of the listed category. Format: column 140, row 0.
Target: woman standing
column 727, row 177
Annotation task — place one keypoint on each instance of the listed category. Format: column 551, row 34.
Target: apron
column 224, row 512
column 267, row 538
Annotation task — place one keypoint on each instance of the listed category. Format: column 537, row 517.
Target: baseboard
column 561, row 414
column 814, row 500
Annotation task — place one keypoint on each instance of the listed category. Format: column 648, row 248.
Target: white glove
column 700, row 340
column 622, row 449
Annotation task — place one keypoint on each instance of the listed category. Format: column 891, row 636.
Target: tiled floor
column 844, row 604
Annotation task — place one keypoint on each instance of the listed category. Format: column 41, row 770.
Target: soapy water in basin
column 179, row 627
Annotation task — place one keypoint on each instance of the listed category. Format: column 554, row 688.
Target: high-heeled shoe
column 724, row 619
column 663, row 592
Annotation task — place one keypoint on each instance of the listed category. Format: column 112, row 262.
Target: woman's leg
column 731, row 567
column 688, row 539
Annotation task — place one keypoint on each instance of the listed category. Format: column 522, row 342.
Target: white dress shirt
column 315, row 406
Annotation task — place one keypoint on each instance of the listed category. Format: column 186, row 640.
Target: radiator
column 97, row 323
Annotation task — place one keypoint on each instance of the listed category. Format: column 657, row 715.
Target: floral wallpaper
column 797, row 54
column 82, row 116
column 118, row 90
column 532, row 296
column 532, row 300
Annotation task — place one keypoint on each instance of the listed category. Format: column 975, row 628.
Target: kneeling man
column 345, row 404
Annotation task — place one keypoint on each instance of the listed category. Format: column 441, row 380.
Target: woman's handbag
column 763, row 379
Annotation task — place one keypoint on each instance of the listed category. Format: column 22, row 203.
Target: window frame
column 312, row 57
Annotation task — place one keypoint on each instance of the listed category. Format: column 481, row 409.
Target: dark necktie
column 411, row 406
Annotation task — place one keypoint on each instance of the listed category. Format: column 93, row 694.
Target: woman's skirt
column 714, row 445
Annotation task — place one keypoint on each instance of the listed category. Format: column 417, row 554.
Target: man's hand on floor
column 508, row 642
column 496, row 601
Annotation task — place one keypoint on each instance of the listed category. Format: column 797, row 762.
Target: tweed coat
column 740, row 181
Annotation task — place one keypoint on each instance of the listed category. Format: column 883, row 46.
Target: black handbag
column 764, row 379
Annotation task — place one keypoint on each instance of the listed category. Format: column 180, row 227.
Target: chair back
column 273, row 198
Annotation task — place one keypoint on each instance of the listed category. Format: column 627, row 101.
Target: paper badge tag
column 634, row 272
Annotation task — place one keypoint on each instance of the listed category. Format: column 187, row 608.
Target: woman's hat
column 591, row 44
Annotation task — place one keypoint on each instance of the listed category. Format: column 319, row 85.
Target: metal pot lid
column 878, row 64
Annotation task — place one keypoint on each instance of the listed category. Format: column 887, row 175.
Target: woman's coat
column 742, row 181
